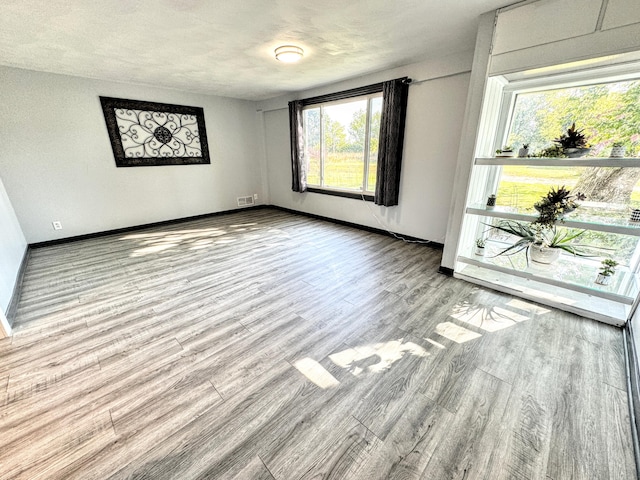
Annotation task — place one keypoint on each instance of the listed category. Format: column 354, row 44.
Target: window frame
column 511, row 88
column 508, row 102
column 366, row 191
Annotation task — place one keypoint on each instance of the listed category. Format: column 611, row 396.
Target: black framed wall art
column 151, row 134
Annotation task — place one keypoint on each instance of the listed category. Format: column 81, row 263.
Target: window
column 349, row 143
column 606, row 113
column 536, row 108
column 341, row 143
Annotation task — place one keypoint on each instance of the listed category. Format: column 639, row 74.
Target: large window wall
column 605, row 107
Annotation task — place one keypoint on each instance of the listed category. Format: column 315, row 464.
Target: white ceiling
column 226, row 47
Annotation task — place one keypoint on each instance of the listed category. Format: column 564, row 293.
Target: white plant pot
column 480, row 251
column 540, row 254
column 618, row 152
column 576, row 152
column 603, row 279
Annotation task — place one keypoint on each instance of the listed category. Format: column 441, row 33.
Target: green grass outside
column 341, row 170
column 560, row 174
column 523, row 185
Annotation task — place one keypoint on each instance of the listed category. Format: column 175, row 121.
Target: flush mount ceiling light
column 289, row 53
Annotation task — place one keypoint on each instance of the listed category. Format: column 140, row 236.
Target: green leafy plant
column 554, row 151
column 608, row 267
column 505, row 149
column 531, row 234
column 542, row 231
column 481, row 242
column 556, row 203
column 574, row 138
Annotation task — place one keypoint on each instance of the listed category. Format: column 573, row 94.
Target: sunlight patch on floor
column 243, row 226
column 456, row 333
column 436, row 344
column 152, row 249
column 195, row 239
column 316, row 373
column 489, row 319
column 376, row 357
column 176, row 234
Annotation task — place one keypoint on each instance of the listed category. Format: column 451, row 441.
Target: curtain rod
column 411, row 82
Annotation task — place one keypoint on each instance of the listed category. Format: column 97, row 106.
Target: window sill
column 341, row 193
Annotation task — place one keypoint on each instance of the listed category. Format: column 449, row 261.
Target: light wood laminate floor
column 266, row 345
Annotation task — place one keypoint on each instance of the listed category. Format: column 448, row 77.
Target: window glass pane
column 605, row 113
column 376, row 113
column 344, row 128
column 312, row 147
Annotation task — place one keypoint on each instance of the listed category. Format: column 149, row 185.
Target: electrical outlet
column 57, row 225
column 255, row 196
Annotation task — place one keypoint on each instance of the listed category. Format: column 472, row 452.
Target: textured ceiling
column 226, row 47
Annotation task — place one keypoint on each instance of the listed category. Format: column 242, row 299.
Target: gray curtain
column 298, row 162
column 392, row 121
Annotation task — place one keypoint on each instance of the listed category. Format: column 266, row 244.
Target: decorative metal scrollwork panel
column 151, row 134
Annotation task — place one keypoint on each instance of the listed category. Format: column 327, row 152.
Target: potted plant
column 554, row 151
column 618, row 150
column 506, row 151
column 541, row 240
column 481, row 243
column 524, row 151
column 540, row 244
column 555, row 205
column 607, row 270
column 573, row 142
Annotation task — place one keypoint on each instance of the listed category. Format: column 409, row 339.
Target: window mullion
column 367, row 141
column 322, row 146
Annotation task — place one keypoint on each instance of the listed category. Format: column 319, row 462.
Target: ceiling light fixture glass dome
column 289, row 53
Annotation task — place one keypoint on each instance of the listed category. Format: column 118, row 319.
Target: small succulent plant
column 505, row 149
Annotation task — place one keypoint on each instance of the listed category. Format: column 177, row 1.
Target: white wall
column 536, row 35
column 12, row 248
column 57, row 162
column 434, row 118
